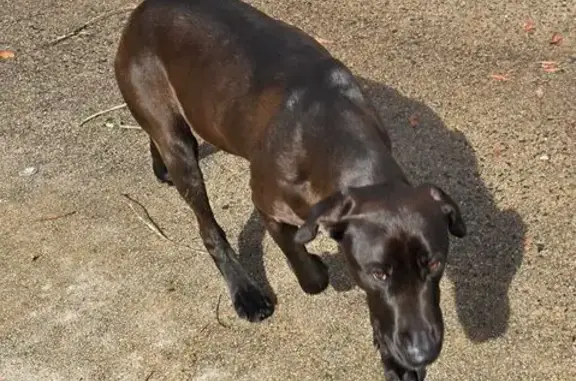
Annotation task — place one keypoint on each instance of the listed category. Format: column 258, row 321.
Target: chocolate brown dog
column 319, row 156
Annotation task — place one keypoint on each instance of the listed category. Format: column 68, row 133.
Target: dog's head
column 395, row 240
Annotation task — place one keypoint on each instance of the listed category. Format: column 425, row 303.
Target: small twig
column 94, row 116
column 149, row 376
column 55, row 217
column 204, row 328
column 149, row 222
column 129, row 127
column 124, row 126
column 218, row 313
column 94, row 20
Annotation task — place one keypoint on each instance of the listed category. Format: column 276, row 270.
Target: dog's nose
column 420, row 347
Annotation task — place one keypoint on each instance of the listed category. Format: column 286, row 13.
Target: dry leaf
column 556, row 39
column 323, row 41
column 413, row 119
column 527, row 243
column 549, row 66
column 529, row 26
column 6, row 54
column 497, row 151
column 500, row 77
column 544, row 157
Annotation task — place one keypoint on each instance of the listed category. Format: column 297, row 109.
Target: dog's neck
column 374, row 167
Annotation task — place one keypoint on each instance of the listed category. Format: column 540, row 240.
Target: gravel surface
column 88, row 292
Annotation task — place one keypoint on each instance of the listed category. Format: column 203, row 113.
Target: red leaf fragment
column 500, row 77
column 497, row 150
column 556, row 39
column 527, row 243
column 549, row 66
column 529, row 26
column 6, row 54
column 413, row 120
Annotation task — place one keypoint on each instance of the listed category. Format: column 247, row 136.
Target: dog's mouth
column 412, row 346
column 393, row 350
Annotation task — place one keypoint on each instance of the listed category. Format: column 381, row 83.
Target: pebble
column 27, row 172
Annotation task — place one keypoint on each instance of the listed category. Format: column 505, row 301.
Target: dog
column 319, row 157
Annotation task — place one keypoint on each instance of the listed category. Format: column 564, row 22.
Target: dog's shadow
column 483, row 264
column 251, row 253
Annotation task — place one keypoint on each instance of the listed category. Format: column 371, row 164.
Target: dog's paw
column 395, row 372
column 390, row 375
column 318, row 279
column 417, row 375
column 165, row 179
column 421, row 373
column 252, row 304
column 161, row 174
column 410, row 376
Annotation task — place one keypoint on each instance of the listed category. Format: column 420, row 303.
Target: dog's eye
column 380, row 275
column 434, row 265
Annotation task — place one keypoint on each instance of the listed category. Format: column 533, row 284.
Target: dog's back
column 222, row 64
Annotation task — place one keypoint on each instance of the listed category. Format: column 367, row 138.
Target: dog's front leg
column 311, row 272
column 177, row 154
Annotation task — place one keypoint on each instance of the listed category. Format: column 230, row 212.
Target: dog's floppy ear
column 450, row 209
column 329, row 213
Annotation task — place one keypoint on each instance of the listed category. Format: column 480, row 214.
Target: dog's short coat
column 319, row 156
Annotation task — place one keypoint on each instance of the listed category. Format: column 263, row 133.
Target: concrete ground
column 89, row 292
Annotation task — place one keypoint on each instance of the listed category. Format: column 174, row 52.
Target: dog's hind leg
column 174, row 148
column 158, row 166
